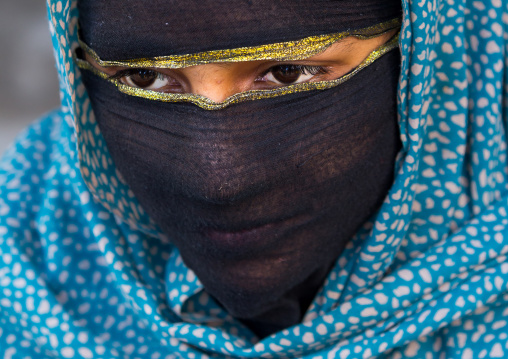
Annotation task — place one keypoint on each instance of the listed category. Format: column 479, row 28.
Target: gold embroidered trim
column 208, row 104
column 282, row 51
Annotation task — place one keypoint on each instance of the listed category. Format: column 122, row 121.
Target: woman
column 278, row 195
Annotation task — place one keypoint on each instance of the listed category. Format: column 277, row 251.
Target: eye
column 147, row 79
column 288, row 74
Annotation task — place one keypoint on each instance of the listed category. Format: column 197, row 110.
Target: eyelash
column 135, row 71
column 304, row 69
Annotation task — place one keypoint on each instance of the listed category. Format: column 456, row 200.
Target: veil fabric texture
column 312, row 166
column 84, row 274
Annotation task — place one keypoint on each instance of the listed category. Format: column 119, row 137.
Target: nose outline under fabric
column 219, row 180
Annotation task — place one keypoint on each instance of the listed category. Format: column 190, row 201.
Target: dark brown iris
column 143, row 78
column 286, row 74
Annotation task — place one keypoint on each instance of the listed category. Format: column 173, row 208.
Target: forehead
column 125, row 29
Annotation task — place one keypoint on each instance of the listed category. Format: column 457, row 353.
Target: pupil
column 286, row 74
column 144, row 78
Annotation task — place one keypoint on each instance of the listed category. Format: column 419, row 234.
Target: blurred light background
column 28, row 78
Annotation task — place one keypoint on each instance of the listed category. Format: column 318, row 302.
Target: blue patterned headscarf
column 83, row 273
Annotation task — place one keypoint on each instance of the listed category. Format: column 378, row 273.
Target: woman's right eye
column 147, row 79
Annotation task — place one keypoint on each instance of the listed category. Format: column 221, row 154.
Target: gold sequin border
column 207, row 104
column 282, row 51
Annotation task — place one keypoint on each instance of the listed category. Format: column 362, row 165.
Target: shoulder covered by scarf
column 82, row 276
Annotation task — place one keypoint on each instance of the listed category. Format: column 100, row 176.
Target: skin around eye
column 219, row 81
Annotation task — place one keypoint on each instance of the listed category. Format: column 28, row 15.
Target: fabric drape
column 84, row 272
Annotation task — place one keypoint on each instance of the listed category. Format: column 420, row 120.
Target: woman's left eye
column 288, row 74
column 145, row 79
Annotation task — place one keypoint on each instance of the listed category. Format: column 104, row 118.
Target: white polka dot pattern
column 84, row 274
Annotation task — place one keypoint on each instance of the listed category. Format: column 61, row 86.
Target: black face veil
column 302, row 172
